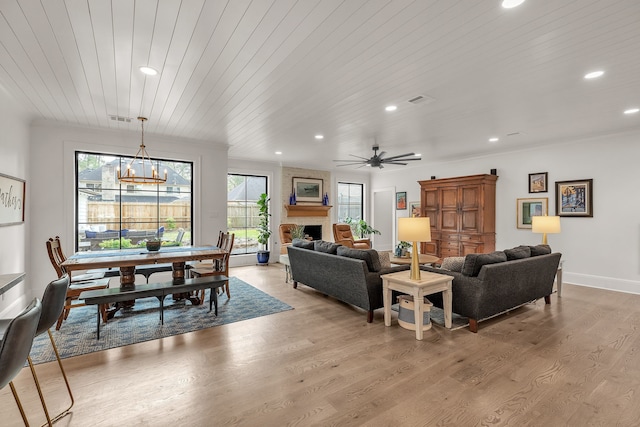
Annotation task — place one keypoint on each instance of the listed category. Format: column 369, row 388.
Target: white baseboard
column 601, row 282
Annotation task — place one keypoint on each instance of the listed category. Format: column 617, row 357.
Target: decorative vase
column 153, row 245
column 263, row 257
column 293, row 198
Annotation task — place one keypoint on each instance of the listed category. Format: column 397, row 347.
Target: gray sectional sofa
column 489, row 284
column 349, row 275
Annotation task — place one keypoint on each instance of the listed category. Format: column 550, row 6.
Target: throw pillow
column 453, row 263
column 326, row 247
column 385, row 259
column 302, row 243
column 518, row 252
column 369, row 256
column 540, row 250
column 474, row 262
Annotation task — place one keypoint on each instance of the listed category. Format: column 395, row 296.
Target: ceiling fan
column 378, row 160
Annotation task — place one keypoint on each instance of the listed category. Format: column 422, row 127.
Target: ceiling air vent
column 120, row 119
column 421, row 99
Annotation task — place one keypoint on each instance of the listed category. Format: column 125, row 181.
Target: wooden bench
column 158, row 290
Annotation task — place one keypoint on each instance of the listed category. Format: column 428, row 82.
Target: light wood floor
column 575, row 363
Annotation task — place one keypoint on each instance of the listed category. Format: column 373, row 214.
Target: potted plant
column 401, row 249
column 264, row 232
column 360, row 228
column 297, row 232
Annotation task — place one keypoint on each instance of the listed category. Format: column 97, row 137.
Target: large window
column 110, row 215
column 243, row 192
column 350, row 201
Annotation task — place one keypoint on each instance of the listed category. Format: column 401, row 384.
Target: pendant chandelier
column 143, row 163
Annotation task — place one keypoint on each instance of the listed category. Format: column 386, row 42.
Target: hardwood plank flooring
column 573, row 363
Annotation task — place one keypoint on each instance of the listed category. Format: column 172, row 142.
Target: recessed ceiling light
column 418, row 154
column 494, row 139
column 631, row 110
column 594, row 74
column 149, row 71
column 508, row 4
column 319, row 136
column 278, row 152
column 390, row 108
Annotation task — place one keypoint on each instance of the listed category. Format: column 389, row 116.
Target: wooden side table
column 429, row 283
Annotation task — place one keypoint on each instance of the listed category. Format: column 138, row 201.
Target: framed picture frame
column 528, row 208
column 401, row 201
column 414, row 209
column 538, row 182
column 574, row 198
column 12, row 197
column 308, row 189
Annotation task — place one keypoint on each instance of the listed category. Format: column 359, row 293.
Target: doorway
column 383, row 218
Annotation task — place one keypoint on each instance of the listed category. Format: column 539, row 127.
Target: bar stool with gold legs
column 17, row 339
column 53, row 302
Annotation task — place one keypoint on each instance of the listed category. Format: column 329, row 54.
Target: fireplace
column 313, row 231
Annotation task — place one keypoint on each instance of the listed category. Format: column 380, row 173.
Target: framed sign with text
column 12, row 195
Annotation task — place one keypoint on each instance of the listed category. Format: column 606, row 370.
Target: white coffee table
column 429, row 283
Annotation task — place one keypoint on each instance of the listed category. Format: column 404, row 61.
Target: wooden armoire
column 462, row 211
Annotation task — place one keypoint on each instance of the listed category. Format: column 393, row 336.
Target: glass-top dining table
column 127, row 260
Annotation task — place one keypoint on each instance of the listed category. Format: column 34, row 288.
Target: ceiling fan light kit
column 378, row 160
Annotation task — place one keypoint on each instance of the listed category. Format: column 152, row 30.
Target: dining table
column 127, row 260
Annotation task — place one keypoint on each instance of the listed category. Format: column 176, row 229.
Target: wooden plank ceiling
column 264, row 76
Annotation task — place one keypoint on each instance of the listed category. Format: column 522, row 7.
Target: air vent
column 421, row 99
column 516, row 134
column 120, row 119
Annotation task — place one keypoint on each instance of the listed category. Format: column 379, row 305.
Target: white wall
column 602, row 251
column 52, row 183
column 14, row 161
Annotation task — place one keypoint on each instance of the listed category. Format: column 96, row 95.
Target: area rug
column 142, row 322
column 437, row 318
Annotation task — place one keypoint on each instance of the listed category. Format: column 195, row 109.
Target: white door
column 383, row 218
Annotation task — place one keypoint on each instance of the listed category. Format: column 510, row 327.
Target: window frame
column 124, row 189
column 339, row 205
column 229, row 229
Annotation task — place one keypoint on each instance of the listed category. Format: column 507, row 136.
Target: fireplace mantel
column 307, row 210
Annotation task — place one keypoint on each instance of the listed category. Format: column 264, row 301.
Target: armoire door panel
column 449, row 221
column 449, row 198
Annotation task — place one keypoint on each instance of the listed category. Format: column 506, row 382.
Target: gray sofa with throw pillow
column 349, row 275
column 490, row 284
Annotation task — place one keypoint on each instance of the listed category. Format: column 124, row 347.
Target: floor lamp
column 414, row 230
column 545, row 225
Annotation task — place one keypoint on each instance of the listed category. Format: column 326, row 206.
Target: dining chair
column 219, row 266
column 78, row 284
column 53, row 301
column 17, row 339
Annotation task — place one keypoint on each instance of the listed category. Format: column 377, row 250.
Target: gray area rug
column 142, row 322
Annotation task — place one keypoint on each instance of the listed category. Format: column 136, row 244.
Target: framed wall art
column 401, row 201
column 414, row 209
column 528, row 208
column 538, row 182
column 574, row 198
column 308, row 189
column 12, row 196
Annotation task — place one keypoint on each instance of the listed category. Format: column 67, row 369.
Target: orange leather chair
column 343, row 236
column 285, row 237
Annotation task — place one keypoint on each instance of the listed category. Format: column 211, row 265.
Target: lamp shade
column 545, row 224
column 414, row 229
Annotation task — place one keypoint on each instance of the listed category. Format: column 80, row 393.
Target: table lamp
column 545, row 225
column 414, row 230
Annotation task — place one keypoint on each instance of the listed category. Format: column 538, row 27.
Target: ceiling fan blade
column 352, row 164
column 358, row 157
column 402, row 160
column 401, row 155
column 394, row 163
column 381, row 155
